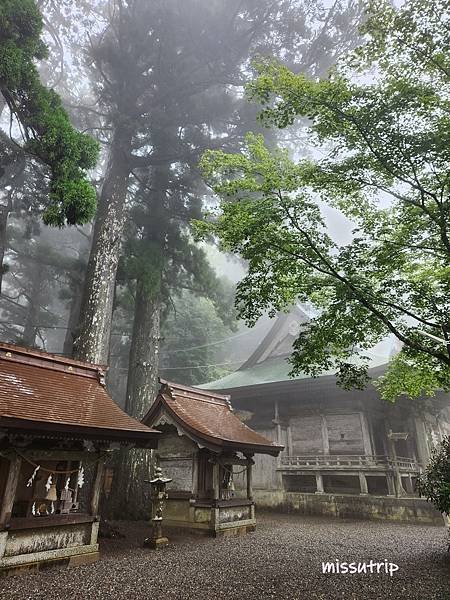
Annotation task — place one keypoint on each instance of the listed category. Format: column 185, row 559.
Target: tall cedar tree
column 213, row 43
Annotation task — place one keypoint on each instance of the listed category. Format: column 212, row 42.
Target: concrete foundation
column 42, row 563
column 407, row 510
column 37, row 548
column 215, row 518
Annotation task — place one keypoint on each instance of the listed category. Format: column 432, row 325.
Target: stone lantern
column 158, row 496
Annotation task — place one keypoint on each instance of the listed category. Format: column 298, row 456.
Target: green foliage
column 188, row 356
column 400, row 38
column 144, row 261
column 413, row 375
column 44, row 123
column 434, row 483
column 386, row 169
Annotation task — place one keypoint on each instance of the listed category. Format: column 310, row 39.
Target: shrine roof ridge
column 208, row 418
column 42, row 392
column 48, row 360
column 197, row 394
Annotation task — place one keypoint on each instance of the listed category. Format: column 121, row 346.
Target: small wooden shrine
column 57, row 425
column 204, row 448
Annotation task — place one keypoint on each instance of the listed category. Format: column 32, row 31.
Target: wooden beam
column 216, row 480
column 249, row 482
column 59, row 455
column 234, row 461
column 194, row 488
column 325, row 440
column 363, row 484
column 319, row 484
column 20, row 523
column 365, row 433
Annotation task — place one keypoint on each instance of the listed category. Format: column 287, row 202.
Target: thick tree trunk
column 92, row 341
column 144, row 350
column 31, row 328
column 92, row 337
column 76, row 281
column 72, row 323
column 12, row 168
column 133, row 467
column 131, row 496
column 144, row 353
column 4, row 214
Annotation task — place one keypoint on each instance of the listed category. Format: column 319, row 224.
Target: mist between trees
column 107, row 106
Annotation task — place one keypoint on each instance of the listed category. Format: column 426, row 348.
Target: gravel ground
column 281, row 560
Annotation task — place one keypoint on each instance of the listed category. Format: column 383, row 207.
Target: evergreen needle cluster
column 45, row 125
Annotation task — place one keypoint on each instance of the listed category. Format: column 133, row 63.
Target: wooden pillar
column 10, row 489
column 249, row 477
column 325, row 440
column 97, row 487
column 421, row 442
column 390, row 484
column 409, row 485
column 366, row 435
column 392, row 455
column 363, row 484
column 399, row 491
column 290, row 446
column 195, row 459
column 216, row 481
column 276, row 421
column 319, row 483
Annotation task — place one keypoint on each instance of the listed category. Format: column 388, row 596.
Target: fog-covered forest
column 173, row 173
column 225, row 286
column 155, row 84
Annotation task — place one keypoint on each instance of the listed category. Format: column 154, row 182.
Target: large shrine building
column 346, row 453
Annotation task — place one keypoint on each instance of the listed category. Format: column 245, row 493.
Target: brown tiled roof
column 42, row 392
column 208, row 417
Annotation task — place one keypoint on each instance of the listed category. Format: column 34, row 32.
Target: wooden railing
column 403, row 463
column 353, row 461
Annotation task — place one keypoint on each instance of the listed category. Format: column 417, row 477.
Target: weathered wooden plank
column 306, row 435
column 96, row 488
column 10, row 489
column 50, row 521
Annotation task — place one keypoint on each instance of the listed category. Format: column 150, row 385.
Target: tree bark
column 4, row 214
column 31, row 325
column 133, row 467
column 92, row 341
column 144, row 353
column 72, row 323
column 12, row 168
column 144, row 349
column 131, row 497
